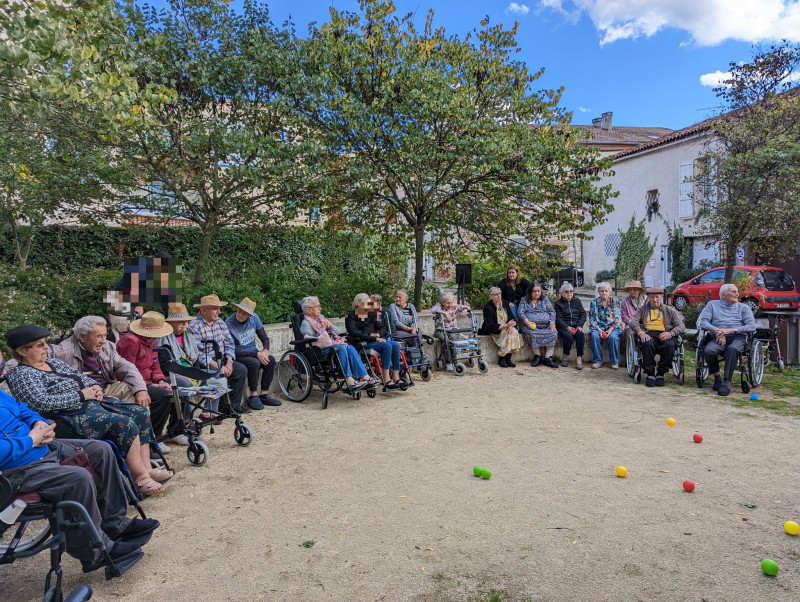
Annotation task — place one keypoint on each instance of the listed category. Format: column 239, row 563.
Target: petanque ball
column 769, row 566
column 698, row 438
column 477, row 471
column 754, row 397
column 622, row 472
column 688, row 486
column 791, row 527
column 486, row 473
column 670, row 422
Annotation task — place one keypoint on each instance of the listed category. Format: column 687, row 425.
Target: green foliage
column 605, row 275
column 690, row 314
column 635, row 249
column 485, row 275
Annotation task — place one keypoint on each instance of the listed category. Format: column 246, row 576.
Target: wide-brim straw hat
column 655, row 290
column 210, row 301
column 151, row 325
column 177, row 312
column 633, row 284
column 247, row 305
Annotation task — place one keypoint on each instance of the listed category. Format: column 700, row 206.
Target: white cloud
column 584, row 110
column 712, row 80
column 708, row 22
column 518, row 9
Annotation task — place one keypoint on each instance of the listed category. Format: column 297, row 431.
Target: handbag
column 81, row 458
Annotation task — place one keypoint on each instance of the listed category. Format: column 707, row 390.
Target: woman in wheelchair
column 364, row 325
column 328, row 339
column 29, row 460
column 657, row 327
column 56, row 390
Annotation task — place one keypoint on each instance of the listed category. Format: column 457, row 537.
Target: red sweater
column 139, row 351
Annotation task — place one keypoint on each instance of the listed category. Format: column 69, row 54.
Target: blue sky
column 641, row 59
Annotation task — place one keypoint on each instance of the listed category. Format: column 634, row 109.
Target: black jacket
column 513, row 294
column 569, row 314
column 491, row 325
column 362, row 330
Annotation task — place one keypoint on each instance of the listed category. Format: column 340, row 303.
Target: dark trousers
column 161, row 408
column 236, row 381
column 104, row 500
column 653, row 347
column 567, row 339
column 253, row 365
column 734, row 346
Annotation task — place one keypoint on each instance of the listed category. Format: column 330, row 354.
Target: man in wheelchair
column 30, row 459
column 657, row 327
column 729, row 322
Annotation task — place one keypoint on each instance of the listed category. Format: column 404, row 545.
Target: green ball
column 769, row 566
column 486, row 473
column 477, row 471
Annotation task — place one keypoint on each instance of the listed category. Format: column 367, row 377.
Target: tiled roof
column 620, row 134
column 672, row 136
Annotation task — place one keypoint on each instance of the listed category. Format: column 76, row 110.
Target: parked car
column 772, row 288
column 568, row 273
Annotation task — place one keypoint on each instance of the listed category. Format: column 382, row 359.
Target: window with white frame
column 685, row 189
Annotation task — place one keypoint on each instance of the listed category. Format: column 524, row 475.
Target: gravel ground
column 384, row 490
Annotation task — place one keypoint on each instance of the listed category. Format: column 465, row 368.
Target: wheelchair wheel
column 40, row 530
column 631, row 355
column 425, row 374
column 439, row 365
column 197, row 453
column 295, row 376
column 371, row 393
column 745, row 385
column 470, row 362
column 638, row 377
column 459, row 369
column 679, row 365
column 779, row 365
column 483, row 367
column 755, row 363
column 700, row 369
column 243, row 435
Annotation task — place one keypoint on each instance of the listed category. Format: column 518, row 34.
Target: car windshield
column 777, row 280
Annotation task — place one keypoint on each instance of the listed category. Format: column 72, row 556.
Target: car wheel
column 752, row 304
column 680, row 302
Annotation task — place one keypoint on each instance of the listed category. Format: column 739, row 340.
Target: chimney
column 596, row 122
column 607, row 120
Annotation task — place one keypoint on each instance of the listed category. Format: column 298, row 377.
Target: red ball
column 688, row 485
column 698, row 438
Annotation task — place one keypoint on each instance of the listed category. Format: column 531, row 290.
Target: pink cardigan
column 134, row 349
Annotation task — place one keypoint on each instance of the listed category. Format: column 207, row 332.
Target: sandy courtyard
column 384, row 488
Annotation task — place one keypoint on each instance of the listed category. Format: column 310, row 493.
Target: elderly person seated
column 402, row 316
column 208, row 326
column 513, row 288
column 537, row 324
column 54, row 389
column 245, row 326
column 605, row 323
column 499, row 322
column 657, row 326
column 729, row 322
column 137, row 346
column 29, row 459
column 570, row 319
column 630, row 305
column 364, row 324
column 444, row 318
column 328, row 340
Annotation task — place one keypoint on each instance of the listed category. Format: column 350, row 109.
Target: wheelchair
column 304, row 366
column 47, row 523
column 751, row 361
column 633, row 358
column 194, row 401
column 372, row 362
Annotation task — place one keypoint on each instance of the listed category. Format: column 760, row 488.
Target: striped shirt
column 218, row 331
column 91, row 365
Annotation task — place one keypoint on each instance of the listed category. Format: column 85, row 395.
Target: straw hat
column 178, row 313
column 210, row 301
column 151, row 325
column 631, row 285
column 247, row 306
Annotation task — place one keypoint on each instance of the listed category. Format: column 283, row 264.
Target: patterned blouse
column 542, row 313
column 49, row 392
column 447, row 321
column 603, row 317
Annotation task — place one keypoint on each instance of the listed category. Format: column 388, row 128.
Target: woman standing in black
column 513, row 287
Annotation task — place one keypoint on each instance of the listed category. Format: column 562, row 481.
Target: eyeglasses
column 42, row 345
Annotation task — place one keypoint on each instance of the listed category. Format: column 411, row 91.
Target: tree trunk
column 21, row 249
column 419, row 264
column 202, row 257
column 730, row 261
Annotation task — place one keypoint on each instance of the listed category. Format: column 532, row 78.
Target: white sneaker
column 180, row 440
column 450, row 367
column 165, row 449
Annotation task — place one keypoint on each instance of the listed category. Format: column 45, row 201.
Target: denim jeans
column 613, row 347
column 390, row 353
column 348, row 358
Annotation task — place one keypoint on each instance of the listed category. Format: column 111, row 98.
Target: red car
column 772, row 288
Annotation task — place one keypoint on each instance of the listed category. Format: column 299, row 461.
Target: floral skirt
column 538, row 337
column 509, row 341
column 113, row 419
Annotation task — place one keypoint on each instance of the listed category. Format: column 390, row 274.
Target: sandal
column 148, row 486
column 161, row 474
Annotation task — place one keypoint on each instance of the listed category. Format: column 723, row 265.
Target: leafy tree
column 754, row 159
column 635, row 249
column 443, row 138
column 229, row 150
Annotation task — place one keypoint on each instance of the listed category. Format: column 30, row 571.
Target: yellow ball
column 622, row 472
column 791, row 527
column 670, row 422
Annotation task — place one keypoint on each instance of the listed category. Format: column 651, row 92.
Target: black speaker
column 463, row 273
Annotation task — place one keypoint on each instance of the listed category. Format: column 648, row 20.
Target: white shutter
column 685, row 188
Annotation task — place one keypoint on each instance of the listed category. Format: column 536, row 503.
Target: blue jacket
column 16, row 445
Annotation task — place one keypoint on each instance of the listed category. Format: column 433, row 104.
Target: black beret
column 27, row 333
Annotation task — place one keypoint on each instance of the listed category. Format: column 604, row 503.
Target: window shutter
column 685, row 187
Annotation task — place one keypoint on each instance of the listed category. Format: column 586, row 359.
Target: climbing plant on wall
column 635, row 249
